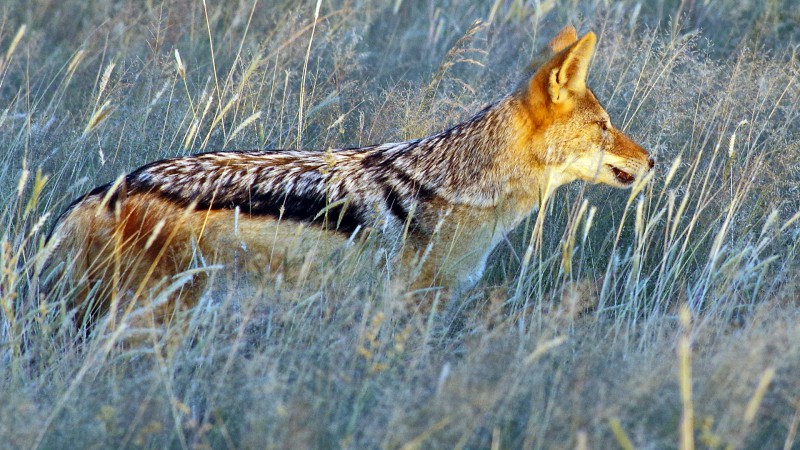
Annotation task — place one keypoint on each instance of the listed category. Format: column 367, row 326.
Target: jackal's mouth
column 622, row 176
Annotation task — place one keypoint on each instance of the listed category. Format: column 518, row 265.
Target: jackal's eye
column 603, row 125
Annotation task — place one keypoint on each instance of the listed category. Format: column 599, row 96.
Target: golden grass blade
column 685, row 378
column 620, row 435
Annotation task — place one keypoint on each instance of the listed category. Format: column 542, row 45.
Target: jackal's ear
column 566, row 37
column 569, row 77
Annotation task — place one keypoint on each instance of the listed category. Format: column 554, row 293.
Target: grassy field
column 663, row 318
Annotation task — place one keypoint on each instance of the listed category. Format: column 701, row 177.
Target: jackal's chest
column 455, row 251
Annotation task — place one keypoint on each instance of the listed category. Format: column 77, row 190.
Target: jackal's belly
column 265, row 243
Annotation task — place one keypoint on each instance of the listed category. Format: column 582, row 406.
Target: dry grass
column 659, row 318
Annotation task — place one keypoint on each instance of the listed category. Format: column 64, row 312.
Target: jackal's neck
column 461, row 164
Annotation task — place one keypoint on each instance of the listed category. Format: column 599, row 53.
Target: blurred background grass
column 579, row 348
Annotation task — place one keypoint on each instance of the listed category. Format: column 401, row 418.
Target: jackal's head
column 569, row 130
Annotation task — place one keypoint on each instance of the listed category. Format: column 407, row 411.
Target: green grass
column 660, row 318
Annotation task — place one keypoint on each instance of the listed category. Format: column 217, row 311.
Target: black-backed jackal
column 441, row 203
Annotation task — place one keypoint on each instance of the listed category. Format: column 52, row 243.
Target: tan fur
column 438, row 204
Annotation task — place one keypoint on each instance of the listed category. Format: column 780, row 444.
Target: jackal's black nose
column 651, row 162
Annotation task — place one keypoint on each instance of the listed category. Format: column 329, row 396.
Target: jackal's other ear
column 566, row 37
column 569, row 77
